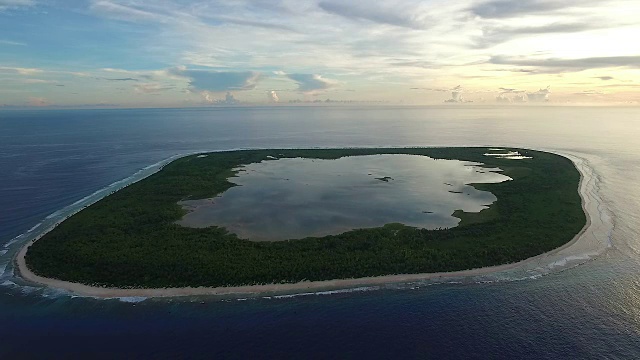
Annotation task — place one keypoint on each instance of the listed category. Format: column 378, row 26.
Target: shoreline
column 102, row 292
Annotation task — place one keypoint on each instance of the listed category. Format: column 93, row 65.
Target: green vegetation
column 129, row 239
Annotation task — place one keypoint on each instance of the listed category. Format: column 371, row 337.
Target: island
column 134, row 238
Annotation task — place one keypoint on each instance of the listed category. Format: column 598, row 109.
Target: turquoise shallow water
column 51, row 159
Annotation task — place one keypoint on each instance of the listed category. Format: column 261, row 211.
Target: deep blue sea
column 50, row 160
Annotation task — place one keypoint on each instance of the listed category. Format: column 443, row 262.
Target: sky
column 182, row 53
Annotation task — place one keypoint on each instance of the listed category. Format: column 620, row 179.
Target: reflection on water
column 296, row 198
column 511, row 155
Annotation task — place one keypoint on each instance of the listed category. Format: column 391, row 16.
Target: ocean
column 55, row 161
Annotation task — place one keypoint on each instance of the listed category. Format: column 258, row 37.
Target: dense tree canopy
column 130, row 239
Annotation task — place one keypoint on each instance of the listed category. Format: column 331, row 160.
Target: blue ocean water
column 51, row 159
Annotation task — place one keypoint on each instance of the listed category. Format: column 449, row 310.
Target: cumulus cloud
column 503, row 99
column 218, row 81
column 311, row 83
column 229, row 99
column 541, row 95
column 511, row 95
column 456, row 95
column 273, row 96
column 517, row 98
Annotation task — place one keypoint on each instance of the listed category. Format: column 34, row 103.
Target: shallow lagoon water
column 294, row 198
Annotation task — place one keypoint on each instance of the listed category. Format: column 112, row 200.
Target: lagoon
column 294, row 198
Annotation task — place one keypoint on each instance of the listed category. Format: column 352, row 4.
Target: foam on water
column 595, row 240
column 28, row 290
column 131, row 299
column 571, row 258
column 328, row 292
column 55, row 218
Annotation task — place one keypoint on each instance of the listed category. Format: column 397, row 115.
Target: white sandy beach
column 592, row 228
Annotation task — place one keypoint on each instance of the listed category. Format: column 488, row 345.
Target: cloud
column 122, row 79
column 456, row 95
column 496, row 34
column 13, row 43
column 416, row 63
column 229, row 99
column 510, row 90
column 39, row 101
column 253, row 23
column 195, row 15
column 112, row 70
column 541, row 95
column 124, row 12
column 503, row 99
column 620, row 85
column 20, row 70
column 573, row 64
column 311, row 83
column 605, row 78
column 273, row 96
column 512, row 95
column 373, row 12
column 589, row 92
column 38, row 81
column 151, row 88
column 14, row 4
column 516, row 97
column 432, row 89
column 497, row 9
column 217, row 81
column 383, row 47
